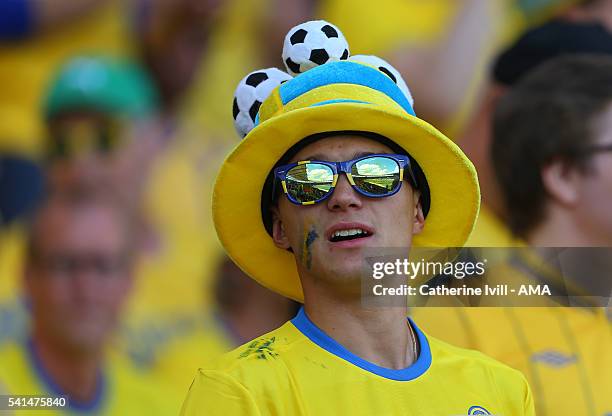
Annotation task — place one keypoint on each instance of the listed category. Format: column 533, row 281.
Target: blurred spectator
column 76, row 286
column 93, row 108
column 243, row 310
column 552, row 150
column 247, row 309
column 582, row 29
column 26, row 68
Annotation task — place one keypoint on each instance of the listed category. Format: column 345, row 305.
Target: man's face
column 594, row 187
column 307, row 230
column 79, row 274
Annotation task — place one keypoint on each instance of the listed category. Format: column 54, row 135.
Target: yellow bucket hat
column 337, row 96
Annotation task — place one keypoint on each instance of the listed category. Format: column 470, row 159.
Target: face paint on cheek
column 309, row 239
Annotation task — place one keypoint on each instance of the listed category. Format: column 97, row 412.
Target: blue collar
column 54, row 389
column 316, row 335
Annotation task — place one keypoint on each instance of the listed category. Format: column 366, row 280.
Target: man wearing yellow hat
column 317, row 182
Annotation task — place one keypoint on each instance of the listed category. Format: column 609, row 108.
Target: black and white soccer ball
column 251, row 92
column 312, row 44
column 387, row 69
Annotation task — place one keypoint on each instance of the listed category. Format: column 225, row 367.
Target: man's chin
column 86, row 339
column 343, row 274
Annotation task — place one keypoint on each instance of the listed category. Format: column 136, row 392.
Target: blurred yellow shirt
column 299, row 370
column 170, row 352
column 490, row 231
column 565, row 352
column 12, row 242
column 122, row 392
column 177, row 361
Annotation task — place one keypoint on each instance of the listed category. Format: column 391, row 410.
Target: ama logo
column 477, row 410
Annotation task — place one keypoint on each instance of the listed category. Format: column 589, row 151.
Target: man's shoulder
column 259, row 368
column 277, row 345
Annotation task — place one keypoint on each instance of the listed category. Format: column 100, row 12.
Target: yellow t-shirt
column 122, row 391
column 565, row 352
column 299, row 370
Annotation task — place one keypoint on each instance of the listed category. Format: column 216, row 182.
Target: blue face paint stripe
column 316, row 335
column 343, row 72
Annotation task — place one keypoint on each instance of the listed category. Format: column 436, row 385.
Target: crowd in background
column 115, row 116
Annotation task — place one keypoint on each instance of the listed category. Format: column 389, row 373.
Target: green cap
column 115, row 87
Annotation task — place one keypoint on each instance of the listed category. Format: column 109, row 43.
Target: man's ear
column 419, row 219
column 278, row 231
column 561, row 182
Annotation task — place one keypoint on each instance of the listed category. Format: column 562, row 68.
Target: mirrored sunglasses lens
column 376, row 175
column 309, row 182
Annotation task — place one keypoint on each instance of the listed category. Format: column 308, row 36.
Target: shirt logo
column 478, row 410
column 553, row 358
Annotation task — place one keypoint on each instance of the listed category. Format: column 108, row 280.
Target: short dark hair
column 553, row 39
column 549, row 114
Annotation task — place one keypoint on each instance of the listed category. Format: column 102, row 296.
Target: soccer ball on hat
column 387, row 69
column 251, row 92
column 311, row 44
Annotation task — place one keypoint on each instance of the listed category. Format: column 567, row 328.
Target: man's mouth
column 350, row 234
column 347, row 231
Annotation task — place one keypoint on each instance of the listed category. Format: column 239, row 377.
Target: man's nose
column 344, row 196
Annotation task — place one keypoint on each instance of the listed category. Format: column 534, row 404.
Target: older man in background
column 78, row 275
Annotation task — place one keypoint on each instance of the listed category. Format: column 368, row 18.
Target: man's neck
column 75, row 374
column 381, row 336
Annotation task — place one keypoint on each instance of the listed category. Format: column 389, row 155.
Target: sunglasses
column 602, row 148
column 84, row 137
column 309, row 182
